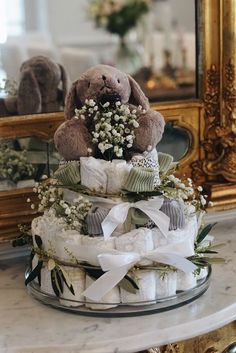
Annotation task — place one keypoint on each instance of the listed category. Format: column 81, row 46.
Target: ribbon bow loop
column 151, row 208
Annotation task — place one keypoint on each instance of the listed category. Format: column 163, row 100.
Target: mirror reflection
column 154, row 40
column 24, row 161
column 175, row 141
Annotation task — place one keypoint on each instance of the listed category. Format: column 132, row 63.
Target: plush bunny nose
column 104, row 77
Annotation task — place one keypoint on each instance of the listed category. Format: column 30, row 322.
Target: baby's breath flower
column 114, row 127
column 91, row 103
column 202, row 200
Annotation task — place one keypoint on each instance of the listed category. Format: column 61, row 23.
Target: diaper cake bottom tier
column 130, row 273
column 111, row 306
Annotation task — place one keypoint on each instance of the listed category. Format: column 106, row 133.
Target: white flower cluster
column 184, row 192
column 14, row 165
column 114, row 126
column 48, row 194
column 75, row 214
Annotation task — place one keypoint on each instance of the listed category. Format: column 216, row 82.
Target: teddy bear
column 43, row 85
column 104, row 83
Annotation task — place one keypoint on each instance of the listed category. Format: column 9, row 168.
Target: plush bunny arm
column 29, row 97
column 72, row 139
column 150, row 131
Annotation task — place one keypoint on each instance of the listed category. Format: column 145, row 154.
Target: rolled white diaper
column 67, row 243
column 117, row 172
column 203, row 273
column 47, row 227
column 185, row 281
column 93, row 174
column 146, row 281
column 113, row 297
column 185, row 235
column 46, row 283
column 77, row 278
column 99, row 245
column 138, row 240
column 166, row 284
column 34, row 264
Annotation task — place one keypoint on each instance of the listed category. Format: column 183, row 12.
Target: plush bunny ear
column 72, row 102
column 64, row 80
column 29, row 99
column 137, row 97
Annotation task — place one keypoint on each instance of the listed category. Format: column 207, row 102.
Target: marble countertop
column 27, row 326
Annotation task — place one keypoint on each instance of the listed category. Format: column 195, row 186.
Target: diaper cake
column 117, row 227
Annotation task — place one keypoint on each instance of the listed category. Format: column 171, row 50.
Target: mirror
column 156, row 44
column 24, row 161
column 176, row 141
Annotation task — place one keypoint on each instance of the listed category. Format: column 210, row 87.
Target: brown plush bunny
column 104, row 83
column 38, row 91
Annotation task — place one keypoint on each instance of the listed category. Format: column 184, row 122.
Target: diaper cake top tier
column 117, row 225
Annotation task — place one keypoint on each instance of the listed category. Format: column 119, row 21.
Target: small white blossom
column 200, row 188
column 202, row 200
column 91, row 103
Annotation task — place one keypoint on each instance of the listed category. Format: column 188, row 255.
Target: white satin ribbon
column 117, row 264
column 118, row 215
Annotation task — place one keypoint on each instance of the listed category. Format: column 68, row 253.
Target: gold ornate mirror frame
column 209, row 120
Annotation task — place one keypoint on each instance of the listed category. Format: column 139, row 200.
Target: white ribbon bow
column 118, row 215
column 117, row 264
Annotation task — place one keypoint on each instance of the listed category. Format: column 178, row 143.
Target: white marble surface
column 27, row 326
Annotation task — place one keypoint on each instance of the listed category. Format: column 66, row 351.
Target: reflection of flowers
column 9, row 87
column 118, row 16
column 14, row 165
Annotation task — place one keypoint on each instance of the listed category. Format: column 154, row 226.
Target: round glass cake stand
column 121, row 309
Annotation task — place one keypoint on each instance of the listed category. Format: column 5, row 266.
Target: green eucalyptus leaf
column 94, row 273
column 214, row 260
column 129, row 284
column 54, row 283
column 38, row 241
column 66, row 280
column 59, row 280
column 206, row 230
column 34, row 273
column 217, row 246
column 207, row 251
column 65, row 276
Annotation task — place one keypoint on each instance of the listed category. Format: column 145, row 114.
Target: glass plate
column 122, row 309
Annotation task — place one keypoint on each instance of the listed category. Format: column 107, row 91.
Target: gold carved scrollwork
column 220, row 125
column 169, row 348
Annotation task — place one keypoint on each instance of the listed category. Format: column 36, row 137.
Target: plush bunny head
column 38, row 91
column 104, row 83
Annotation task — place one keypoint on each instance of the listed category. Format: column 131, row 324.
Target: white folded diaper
column 138, row 240
column 113, row 297
column 146, row 281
